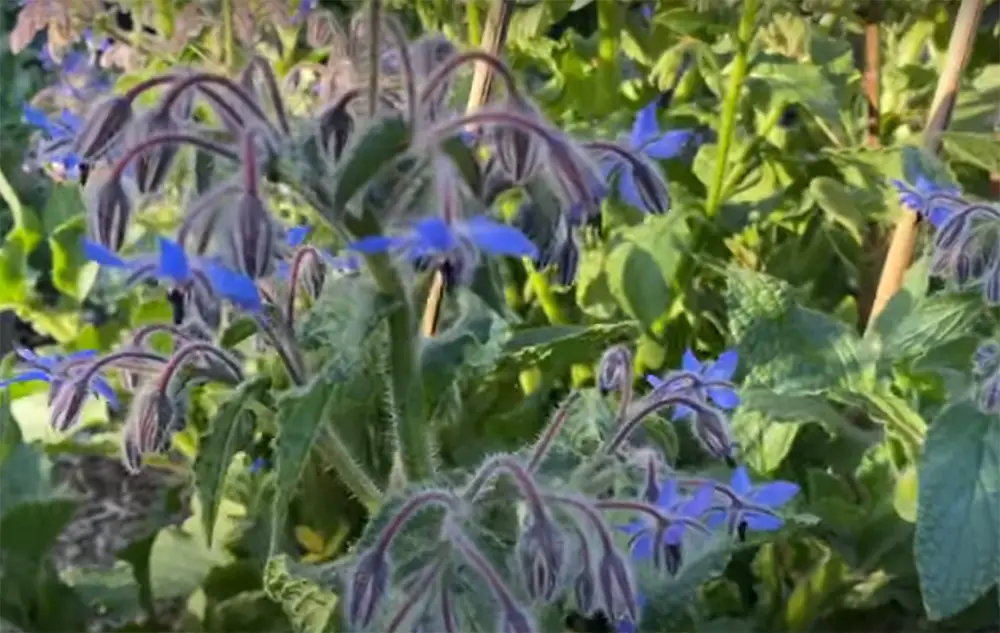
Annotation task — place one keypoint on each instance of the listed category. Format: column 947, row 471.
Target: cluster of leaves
column 346, row 469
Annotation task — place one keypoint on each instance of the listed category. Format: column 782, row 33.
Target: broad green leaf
column 792, row 82
column 108, row 591
column 930, row 323
column 956, row 544
column 310, row 608
column 64, row 206
column 764, row 443
column 637, row 283
column 72, row 274
column 901, row 420
column 230, row 431
column 845, row 206
column 24, row 469
column 379, row 144
column 24, row 219
column 980, row 150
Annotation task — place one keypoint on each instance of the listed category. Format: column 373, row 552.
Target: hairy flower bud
column 519, row 153
column 568, row 262
column 986, row 359
column 712, row 431
column 366, row 588
column 991, row 287
column 584, row 592
column 66, row 404
column 148, row 427
column 989, row 396
column 951, row 231
column 615, row 369
column 110, row 215
column 515, row 619
column 103, row 126
column 153, row 165
column 540, row 552
column 335, row 127
column 616, row 587
column 250, row 240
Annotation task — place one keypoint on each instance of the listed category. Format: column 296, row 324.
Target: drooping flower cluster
column 966, row 235
column 566, row 546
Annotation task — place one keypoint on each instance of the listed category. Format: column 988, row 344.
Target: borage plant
column 323, row 353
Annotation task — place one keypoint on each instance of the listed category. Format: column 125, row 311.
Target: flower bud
column 66, row 404
column 986, row 359
column 519, row 153
column 616, row 586
column 541, row 555
column 515, row 619
column 568, row 262
column 951, row 231
column 110, row 215
column 250, row 240
column 148, row 427
column 336, row 125
column 153, row 165
column 615, row 369
column 989, row 396
column 712, row 431
column 584, row 592
column 991, row 287
column 366, row 588
column 103, row 126
column 641, row 185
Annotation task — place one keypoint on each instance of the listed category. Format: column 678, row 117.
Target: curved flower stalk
column 569, row 544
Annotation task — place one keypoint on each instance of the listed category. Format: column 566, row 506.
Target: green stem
column 228, row 39
column 475, row 23
column 608, row 32
column 339, row 457
column 730, row 107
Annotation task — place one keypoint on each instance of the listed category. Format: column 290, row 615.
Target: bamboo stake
column 493, row 39
column 904, row 236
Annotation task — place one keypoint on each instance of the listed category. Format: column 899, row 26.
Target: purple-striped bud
column 986, row 359
column 108, row 119
column 647, row 185
column 991, row 287
column 336, row 125
column 568, row 262
column 110, row 215
column 951, row 231
column 584, row 592
column 148, row 428
column 447, row 615
column 541, row 554
column 712, row 431
column 519, row 153
column 202, row 305
column 989, row 396
column 668, row 557
column 366, row 588
column 963, row 269
column 153, row 165
column 66, row 404
column 616, row 586
column 614, row 373
column 250, row 239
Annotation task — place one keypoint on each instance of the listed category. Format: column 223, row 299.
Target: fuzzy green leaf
column 381, row 143
column 310, row 608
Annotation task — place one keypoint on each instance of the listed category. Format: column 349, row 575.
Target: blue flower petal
column 376, row 244
column 724, row 367
column 668, row 145
column 654, row 381
column 724, row 397
column 103, row 388
column 642, row 547
column 102, row 255
column 628, row 190
column 31, row 375
column 237, row 288
column 297, row 234
column 434, row 234
column 762, row 522
column 681, row 412
column 173, row 260
column 740, row 481
column 646, row 126
column 499, row 239
column 775, row 494
column 690, row 362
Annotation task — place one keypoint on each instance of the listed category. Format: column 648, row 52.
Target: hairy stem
column 169, row 137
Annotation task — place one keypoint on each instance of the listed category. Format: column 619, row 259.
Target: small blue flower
column 59, row 133
column 915, row 199
column 260, row 464
column 721, row 371
column 303, row 10
column 772, row 495
column 435, row 236
column 52, row 369
column 670, row 501
column 296, row 235
column 174, row 266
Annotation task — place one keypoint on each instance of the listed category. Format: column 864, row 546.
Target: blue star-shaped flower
column 643, row 529
column 173, row 265
column 772, row 495
column 648, row 139
column 717, row 374
column 296, row 237
column 915, row 199
column 435, row 236
column 53, row 370
column 59, row 133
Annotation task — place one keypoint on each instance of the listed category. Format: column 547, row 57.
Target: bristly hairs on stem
column 298, row 262
column 180, row 358
column 409, row 79
column 455, row 62
column 424, row 585
column 506, row 464
column 232, row 87
column 284, row 345
column 206, row 203
column 626, row 429
column 552, row 430
column 274, row 92
column 431, row 497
